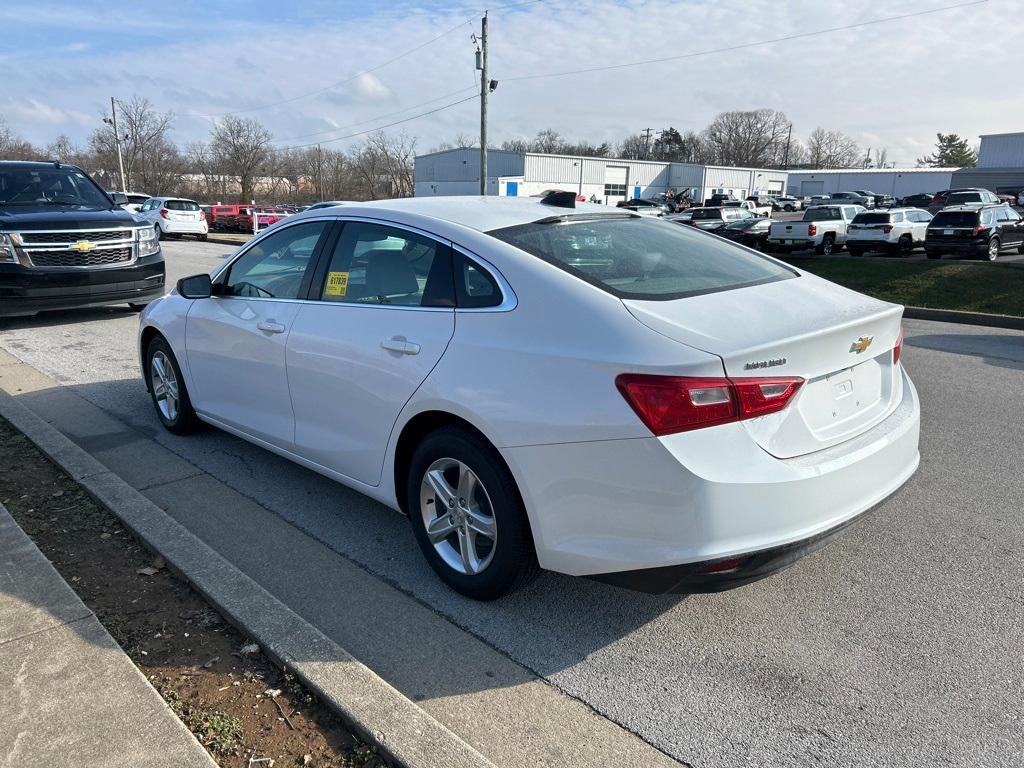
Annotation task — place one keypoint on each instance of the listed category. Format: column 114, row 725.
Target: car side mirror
column 195, row 287
column 119, row 198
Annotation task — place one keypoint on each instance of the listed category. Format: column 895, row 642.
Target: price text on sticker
column 337, row 284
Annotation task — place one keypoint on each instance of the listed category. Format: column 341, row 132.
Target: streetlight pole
column 112, row 122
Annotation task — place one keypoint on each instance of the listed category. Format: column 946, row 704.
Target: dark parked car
column 752, row 233
column 920, row 200
column 975, row 231
column 64, row 242
column 642, row 205
column 711, row 218
column 975, row 195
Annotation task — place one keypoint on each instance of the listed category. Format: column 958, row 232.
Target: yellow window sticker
column 337, row 284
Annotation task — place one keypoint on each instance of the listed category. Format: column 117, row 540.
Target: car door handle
column 400, row 345
column 271, row 326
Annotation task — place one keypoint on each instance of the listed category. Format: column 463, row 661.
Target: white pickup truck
column 750, row 205
column 822, row 228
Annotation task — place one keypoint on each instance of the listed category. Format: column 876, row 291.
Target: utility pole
column 112, row 121
column 481, row 64
column 647, row 142
column 789, row 138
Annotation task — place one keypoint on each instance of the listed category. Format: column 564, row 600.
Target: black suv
column 64, row 242
column 979, row 231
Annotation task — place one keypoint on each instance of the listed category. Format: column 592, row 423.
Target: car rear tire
column 134, row 307
column 159, row 232
column 828, row 245
column 933, row 254
column 992, row 253
column 905, row 246
column 467, row 515
column 167, row 389
column 201, row 238
column 1020, row 250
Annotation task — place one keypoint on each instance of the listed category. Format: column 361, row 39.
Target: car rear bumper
column 26, row 291
column 184, row 227
column 971, row 247
column 625, row 510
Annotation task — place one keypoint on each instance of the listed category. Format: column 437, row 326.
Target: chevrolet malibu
column 541, row 384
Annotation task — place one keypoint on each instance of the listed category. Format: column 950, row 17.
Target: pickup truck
column 822, row 228
column 65, row 242
column 755, row 207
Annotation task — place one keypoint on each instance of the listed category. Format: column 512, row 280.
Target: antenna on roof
column 560, row 199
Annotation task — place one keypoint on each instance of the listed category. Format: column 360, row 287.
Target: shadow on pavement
column 1001, row 350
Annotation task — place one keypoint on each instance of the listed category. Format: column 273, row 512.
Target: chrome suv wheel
column 167, row 388
column 458, row 516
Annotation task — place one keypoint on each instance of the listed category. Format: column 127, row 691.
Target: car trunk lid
column 838, row 341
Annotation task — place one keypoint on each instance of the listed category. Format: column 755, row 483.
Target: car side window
column 274, row 267
column 474, row 286
column 378, row 264
column 896, row 218
column 1012, row 215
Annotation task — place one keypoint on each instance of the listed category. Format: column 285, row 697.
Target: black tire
column 855, row 250
column 134, row 307
column 1020, row 250
column 789, row 209
column 905, row 246
column 513, row 561
column 201, row 238
column 993, row 242
column 159, row 232
column 828, row 245
column 183, row 420
column 933, row 254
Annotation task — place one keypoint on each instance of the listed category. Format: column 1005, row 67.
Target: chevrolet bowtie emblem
column 83, row 246
column 861, row 344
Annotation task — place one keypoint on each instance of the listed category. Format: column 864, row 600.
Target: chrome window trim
column 509, row 300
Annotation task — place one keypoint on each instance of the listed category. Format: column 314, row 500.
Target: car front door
column 235, row 340
column 382, row 318
column 1011, row 228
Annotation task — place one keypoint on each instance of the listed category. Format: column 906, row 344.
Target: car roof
column 480, row 213
column 968, row 208
column 36, row 164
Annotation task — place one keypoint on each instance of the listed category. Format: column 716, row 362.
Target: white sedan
column 545, row 384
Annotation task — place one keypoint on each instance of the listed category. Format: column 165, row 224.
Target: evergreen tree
column 951, row 151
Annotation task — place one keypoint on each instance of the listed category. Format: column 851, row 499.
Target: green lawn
column 966, row 286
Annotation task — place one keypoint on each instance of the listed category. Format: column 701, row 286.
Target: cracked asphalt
column 898, row 645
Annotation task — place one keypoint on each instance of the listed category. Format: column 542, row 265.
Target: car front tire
column 468, row 516
column 167, row 389
column 828, row 245
column 992, row 253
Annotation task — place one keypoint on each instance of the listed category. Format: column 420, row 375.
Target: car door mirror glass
column 195, row 287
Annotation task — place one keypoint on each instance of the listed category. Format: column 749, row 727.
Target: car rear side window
column 378, row 264
column 955, row 219
column 475, row 288
column 872, row 218
column 822, row 213
column 640, row 258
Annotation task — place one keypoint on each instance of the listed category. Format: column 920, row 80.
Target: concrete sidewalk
column 69, row 695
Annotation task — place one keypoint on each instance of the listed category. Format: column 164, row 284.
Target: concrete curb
column 967, row 318
column 373, row 708
column 220, row 239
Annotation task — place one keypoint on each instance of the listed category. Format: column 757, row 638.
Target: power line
column 741, row 46
column 381, row 117
column 345, row 80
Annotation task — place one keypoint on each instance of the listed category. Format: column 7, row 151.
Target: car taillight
column 979, row 229
column 164, row 213
column 670, row 404
column 202, row 215
column 887, row 228
column 812, row 229
column 897, row 351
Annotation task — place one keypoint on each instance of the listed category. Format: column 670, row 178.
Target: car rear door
column 1009, row 224
column 235, row 340
column 380, row 316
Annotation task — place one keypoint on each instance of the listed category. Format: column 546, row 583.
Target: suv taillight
column 897, row 351
column 670, row 404
column 979, row 229
column 164, row 213
column 202, row 215
column 812, row 230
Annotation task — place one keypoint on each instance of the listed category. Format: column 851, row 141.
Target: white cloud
column 370, row 86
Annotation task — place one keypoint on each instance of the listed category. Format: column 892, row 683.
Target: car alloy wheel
column 166, row 393
column 458, row 516
column 993, row 249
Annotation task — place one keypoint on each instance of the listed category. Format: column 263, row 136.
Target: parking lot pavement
column 897, row 645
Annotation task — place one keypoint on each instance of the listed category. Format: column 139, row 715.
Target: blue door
column 636, row 192
column 512, row 188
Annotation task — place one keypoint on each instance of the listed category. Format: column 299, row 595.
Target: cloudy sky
column 311, row 69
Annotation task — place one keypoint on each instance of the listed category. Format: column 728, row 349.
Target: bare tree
column 63, row 150
column 151, row 159
column 385, row 166
column 14, row 147
column 241, row 148
column 754, row 138
column 832, row 149
column 516, row 145
column 633, row 147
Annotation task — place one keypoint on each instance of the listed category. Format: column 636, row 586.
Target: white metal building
column 1001, row 150
column 898, row 182
column 609, row 180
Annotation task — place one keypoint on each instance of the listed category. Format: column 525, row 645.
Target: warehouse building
column 607, row 180
column 898, row 182
column 1000, row 165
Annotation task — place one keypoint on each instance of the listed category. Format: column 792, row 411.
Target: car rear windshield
column 181, row 205
column 706, row 213
column 955, row 219
column 640, row 258
column 822, row 213
column 959, row 198
column 871, row 218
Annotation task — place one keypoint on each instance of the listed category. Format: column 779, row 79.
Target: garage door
column 812, row 188
column 615, row 179
column 775, row 187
